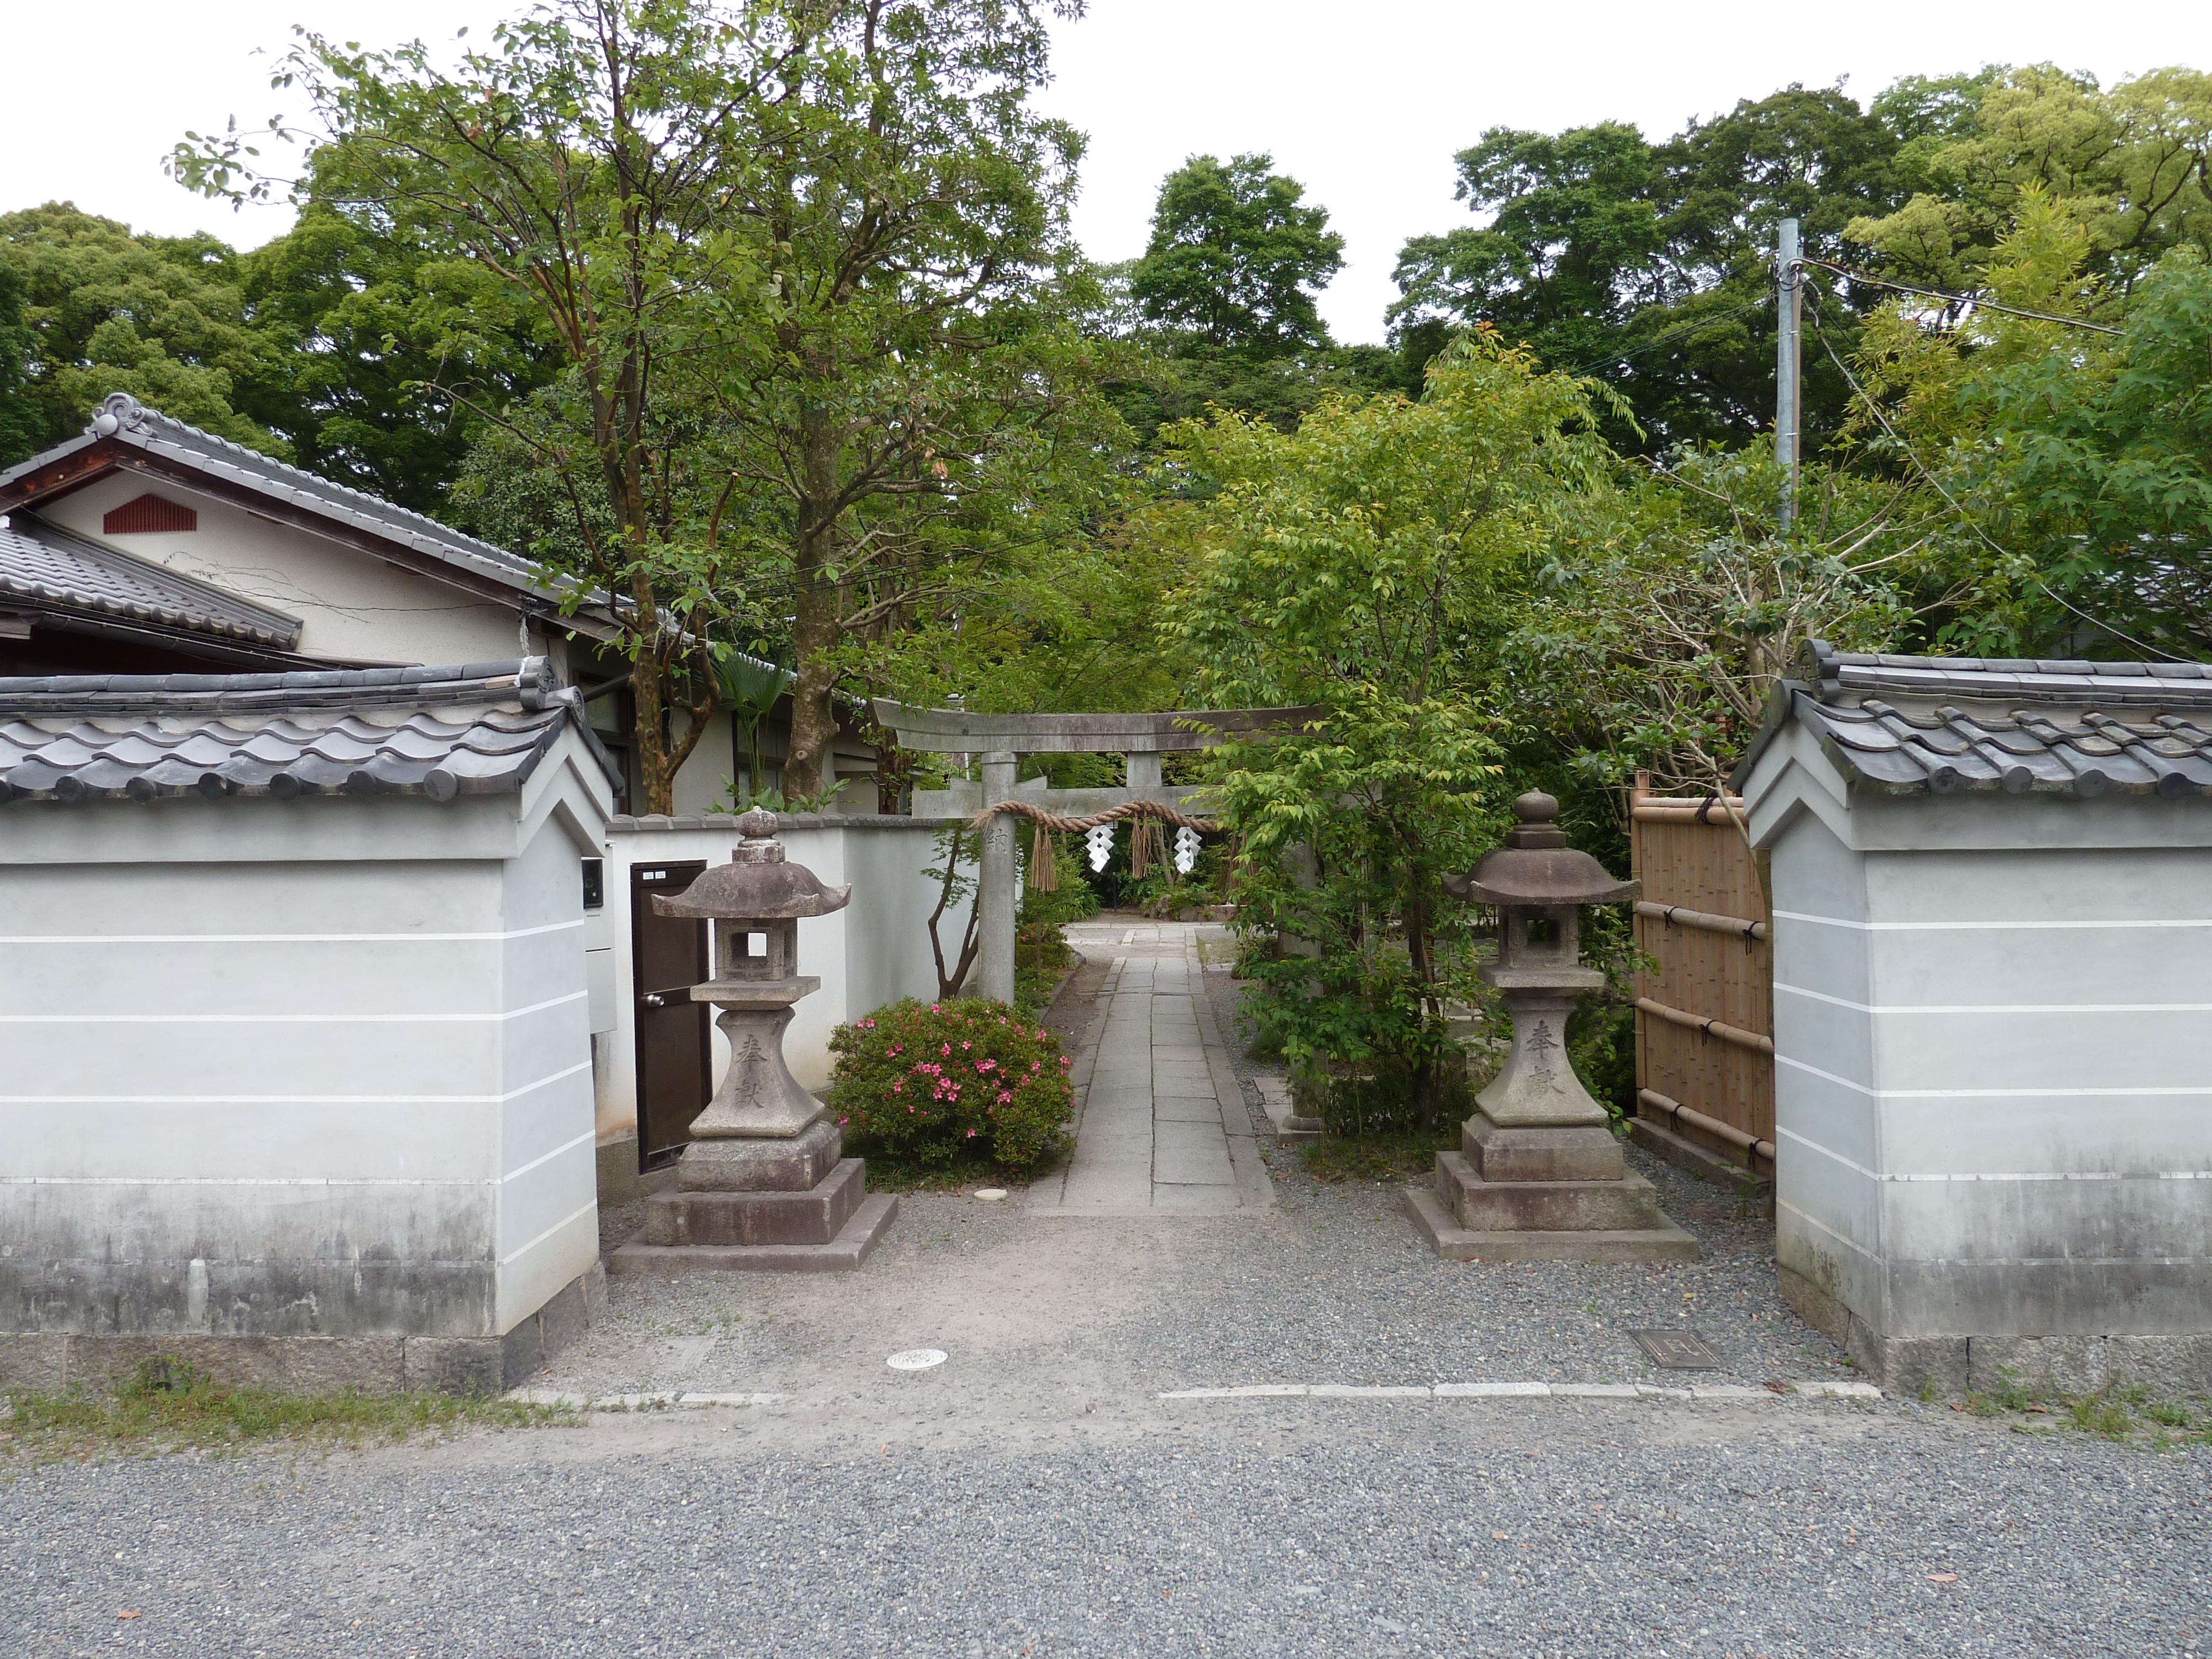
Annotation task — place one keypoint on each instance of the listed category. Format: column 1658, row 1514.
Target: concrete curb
column 1535, row 1391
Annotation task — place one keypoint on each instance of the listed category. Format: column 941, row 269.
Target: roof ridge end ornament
column 118, row 412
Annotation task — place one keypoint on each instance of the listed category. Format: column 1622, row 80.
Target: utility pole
column 1789, row 269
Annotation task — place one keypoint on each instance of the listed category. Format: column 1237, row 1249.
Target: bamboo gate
column 1704, row 1015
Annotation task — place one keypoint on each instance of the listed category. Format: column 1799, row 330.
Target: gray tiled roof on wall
column 44, row 565
column 1936, row 724
column 480, row 728
column 124, row 419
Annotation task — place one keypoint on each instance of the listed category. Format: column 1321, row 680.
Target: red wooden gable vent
column 148, row 513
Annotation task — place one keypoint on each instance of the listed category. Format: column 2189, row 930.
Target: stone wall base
column 620, row 1181
column 50, row 1360
column 2165, row 1365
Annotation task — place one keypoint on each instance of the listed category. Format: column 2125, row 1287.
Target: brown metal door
column 675, row 1064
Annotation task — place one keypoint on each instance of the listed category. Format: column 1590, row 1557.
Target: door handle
column 653, row 1000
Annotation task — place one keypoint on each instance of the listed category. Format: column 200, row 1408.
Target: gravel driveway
column 1034, row 1495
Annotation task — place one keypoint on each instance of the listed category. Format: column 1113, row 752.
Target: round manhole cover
column 916, row 1359
column 991, row 1194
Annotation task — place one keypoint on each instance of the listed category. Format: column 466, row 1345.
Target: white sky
column 1364, row 101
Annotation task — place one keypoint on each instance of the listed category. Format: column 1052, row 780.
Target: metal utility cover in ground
column 1678, row 1351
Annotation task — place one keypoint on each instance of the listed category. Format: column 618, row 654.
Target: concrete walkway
column 1161, row 1125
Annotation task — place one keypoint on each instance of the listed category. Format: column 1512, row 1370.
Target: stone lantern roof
column 760, row 883
column 1537, row 868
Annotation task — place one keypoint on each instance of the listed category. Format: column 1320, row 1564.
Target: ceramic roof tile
column 1934, row 725
column 46, row 567
column 477, row 729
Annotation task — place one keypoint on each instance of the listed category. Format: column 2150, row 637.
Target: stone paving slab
column 1161, row 1125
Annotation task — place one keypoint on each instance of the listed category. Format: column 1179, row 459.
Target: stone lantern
column 1539, row 1175
column 764, row 1185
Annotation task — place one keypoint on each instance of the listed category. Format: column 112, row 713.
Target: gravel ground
column 1350, row 1529
column 1333, row 1286
column 1033, row 1496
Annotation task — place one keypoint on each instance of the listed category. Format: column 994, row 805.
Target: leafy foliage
column 1651, row 263
column 161, row 318
column 1361, row 565
column 933, row 1083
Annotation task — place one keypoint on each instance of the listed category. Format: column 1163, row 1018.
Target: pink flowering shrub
column 927, row 1082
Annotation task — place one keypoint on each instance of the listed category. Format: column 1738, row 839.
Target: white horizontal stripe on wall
column 285, row 1019
column 2000, row 1177
column 285, row 938
column 567, row 1221
column 584, row 1139
column 1988, row 1094
column 1976, row 927
column 293, row 1100
column 1999, row 1007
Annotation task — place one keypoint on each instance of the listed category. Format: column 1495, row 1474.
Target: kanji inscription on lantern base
column 764, row 1185
column 1538, row 1175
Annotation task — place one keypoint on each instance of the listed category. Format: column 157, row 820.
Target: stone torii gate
column 1003, row 739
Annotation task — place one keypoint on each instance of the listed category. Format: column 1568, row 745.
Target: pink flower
column 1035, row 1064
column 971, row 1134
column 964, row 1043
column 1065, row 1060
column 946, row 1049
column 898, row 1088
column 1004, row 1096
column 932, row 1008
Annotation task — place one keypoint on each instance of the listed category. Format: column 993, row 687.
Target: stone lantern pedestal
column 764, row 1187
column 1538, row 1175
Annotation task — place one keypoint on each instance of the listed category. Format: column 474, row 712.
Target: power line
column 1972, row 523
column 1960, row 299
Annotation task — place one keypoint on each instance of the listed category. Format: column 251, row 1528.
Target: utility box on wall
column 1992, row 890
column 299, row 1079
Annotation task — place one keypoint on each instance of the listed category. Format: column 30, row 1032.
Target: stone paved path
column 1161, row 1125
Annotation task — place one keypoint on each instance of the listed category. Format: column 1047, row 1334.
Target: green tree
column 912, row 397
column 1224, row 303
column 19, row 416
column 161, row 318
column 1365, row 564
column 382, row 351
column 1651, row 265
column 589, row 159
column 2075, row 466
column 1237, row 257
column 2133, row 164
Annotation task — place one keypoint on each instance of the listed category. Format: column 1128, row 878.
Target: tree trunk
column 816, row 628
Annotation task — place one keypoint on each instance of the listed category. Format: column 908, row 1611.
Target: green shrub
column 933, row 1083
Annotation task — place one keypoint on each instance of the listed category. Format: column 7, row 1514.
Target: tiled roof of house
column 1934, row 725
column 44, row 565
column 481, row 728
column 124, row 419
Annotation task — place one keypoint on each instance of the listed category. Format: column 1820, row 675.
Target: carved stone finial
column 1536, row 807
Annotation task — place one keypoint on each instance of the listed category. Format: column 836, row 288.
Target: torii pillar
column 1003, row 739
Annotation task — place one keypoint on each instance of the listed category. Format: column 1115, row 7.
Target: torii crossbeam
column 1003, row 739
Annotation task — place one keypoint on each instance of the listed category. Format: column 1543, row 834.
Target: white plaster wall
column 547, row 1197
column 334, row 1081
column 1994, row 1086
column 874, row 951
column 699, row 780
column 349, row 604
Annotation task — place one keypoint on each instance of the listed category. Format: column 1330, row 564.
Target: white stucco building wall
column 349, row 606
column 1993, row 1033
column 314, row 1069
